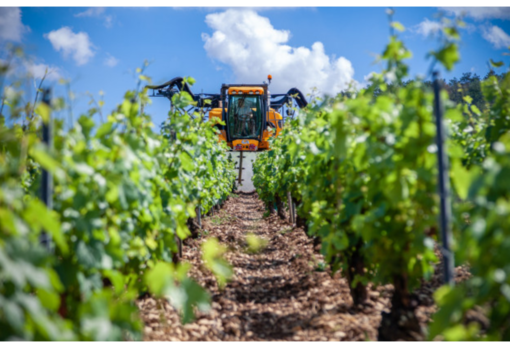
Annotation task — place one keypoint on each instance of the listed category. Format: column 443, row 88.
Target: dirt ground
column 283, row 292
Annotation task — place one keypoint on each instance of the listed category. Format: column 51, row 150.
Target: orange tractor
column 251, row 115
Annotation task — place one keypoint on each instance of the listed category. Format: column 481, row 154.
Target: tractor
column 250, row 115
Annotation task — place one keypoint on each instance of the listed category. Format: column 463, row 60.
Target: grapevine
column 363, row 169
column 122, row 196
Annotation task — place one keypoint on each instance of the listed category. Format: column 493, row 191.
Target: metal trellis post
column 199, row 216
column 292, row 211
column 239, row 179
column 444, row 194
column 46, row 179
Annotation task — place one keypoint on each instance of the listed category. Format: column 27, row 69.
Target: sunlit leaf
column 44, row 111
column 398, row 26
column 448, row 56
column 212, row 254
column 496, row 64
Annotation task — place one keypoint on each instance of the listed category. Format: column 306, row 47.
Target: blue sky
column 98, row 49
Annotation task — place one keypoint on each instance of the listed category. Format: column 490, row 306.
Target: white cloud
column 37, row 71
column 367, row 80
column 427, row 28
column 111, row 61
column 432, row 28
column 108, row 21
column 19, row 68
column 11, row 27
column 258, row 9
column 139, row 7
column 369, row 76
column 91, row 12
column 253, row 48
column 78, row 45
column 97, row 12
column 480, row 13
column 496, row 36
column 223, row 8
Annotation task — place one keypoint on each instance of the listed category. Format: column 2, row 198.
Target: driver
column 245, row 115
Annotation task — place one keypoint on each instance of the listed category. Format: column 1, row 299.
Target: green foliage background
column 122, row 197
column 363, row 168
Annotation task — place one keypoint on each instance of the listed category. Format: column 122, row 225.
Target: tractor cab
column 245, row 116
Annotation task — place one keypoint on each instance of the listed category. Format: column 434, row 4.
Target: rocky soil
column 284, row 292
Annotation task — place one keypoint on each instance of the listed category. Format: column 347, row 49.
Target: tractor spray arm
column 177, row 85
column 286, row 98
column 175, row 82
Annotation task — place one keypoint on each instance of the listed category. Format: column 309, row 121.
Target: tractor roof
column 246, row 90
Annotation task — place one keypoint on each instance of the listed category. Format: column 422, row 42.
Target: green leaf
column 40, row 154
column 83, row 169
column 37, row 214
column 475, row 109
column 143, row 77
column 113, row 194
column 55, row 280
column 398, row 26
column 51, row 224
column 187, row 296
column 14, row 314
column 182, row 100
column 468, row 99
column 255, row 243
column 44, row 111
column 90, row 254
column 456, row 333
column 190, row 80
column 454, row 115
column 8, row 219
column 496, row 64
column 104, row 129
column 182, row 232
column 159, row 278
column 448, row 300
column 212, row 254
column 451, row 32
column 49, row 299
column 186, row 161
column 448, row 56
column 463, row 178
column 86, row 123
column 116, row 278
column 151, row 243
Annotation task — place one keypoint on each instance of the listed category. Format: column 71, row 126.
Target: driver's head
column 240, row 102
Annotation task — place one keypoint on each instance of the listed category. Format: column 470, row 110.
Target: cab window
column 245, row 116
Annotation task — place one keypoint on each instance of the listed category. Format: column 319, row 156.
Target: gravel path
column 280, row 293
